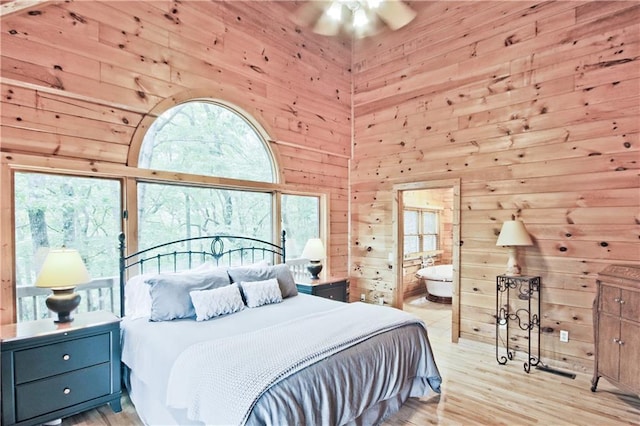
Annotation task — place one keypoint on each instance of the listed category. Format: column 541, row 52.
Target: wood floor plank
column 476, row 390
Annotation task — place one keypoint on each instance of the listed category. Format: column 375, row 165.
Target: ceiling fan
column 358, row 17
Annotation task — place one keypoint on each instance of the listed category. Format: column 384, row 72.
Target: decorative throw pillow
column 170, row 297
column 215, row 302
column 281, row 272
column 258, row 293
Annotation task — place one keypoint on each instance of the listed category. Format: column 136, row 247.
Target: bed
column 215, row 332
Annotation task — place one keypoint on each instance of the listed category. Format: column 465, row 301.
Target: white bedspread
column 219, row 381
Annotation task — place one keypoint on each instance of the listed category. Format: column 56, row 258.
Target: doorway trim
column 398, row 239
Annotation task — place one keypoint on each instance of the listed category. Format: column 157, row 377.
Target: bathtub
column 438, row 280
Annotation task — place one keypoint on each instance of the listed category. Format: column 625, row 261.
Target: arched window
column 203, row 138
column 207, row 138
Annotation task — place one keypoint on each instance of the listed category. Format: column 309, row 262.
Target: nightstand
column 329, row 288
column 51, row 371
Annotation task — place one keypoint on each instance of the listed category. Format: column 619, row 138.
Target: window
column 206, row 138
column 202, row 138
column 52, row 211
column 301, row 220
column 172, row 212
column 421, row 228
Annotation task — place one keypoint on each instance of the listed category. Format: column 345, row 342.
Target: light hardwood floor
column 476, row 390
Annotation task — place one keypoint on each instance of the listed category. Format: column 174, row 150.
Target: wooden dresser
column 617, row 327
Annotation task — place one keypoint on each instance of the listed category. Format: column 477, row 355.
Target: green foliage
column 75, row 212
column 208, row 139
column 198, row 137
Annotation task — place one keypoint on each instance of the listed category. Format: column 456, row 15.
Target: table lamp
column 314, row 251
column 62, row 270
column 512, row 235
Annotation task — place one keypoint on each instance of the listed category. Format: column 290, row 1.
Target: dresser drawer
column 44, row 361
column 64, row 390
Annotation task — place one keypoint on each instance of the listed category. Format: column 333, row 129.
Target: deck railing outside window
column 97, row 295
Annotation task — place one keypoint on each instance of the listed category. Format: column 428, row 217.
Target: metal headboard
column 175, row 255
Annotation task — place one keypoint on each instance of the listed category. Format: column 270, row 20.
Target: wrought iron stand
column 527, row 290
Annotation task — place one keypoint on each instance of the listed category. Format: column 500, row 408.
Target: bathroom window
column 421, row 227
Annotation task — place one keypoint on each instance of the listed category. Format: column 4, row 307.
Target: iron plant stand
column 527, row 290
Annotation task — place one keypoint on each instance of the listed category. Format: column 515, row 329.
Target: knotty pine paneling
column 535, row 107
column 79, row 78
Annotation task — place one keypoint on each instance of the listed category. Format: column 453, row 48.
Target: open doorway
column 427, row 250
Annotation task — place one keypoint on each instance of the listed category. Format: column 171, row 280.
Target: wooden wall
column 534, row 106
column 78, row 78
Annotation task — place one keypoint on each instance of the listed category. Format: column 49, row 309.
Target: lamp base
column 513, row 269
column 314, row 269
column 63, row 301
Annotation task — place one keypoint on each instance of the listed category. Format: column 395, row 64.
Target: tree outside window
column 206, row 138
column 197, row 137
column 52, row 211
column 301, row 220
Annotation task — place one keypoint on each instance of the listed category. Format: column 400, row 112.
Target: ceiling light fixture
column 335, row 11
column 361, row 18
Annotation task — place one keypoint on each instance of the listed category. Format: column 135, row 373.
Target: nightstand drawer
column 64, row 390
column 44, row 361
column 330, row 288
column 333, row 292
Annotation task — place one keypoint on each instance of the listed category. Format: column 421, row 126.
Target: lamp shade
column 62, row 268
column 313, row 250
column 514, row 233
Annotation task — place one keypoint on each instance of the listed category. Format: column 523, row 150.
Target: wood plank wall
column 78, row 78
column 535, row 107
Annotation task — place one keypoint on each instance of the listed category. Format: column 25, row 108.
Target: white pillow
column 137, row 299
column 258, row 293
column 216, row 302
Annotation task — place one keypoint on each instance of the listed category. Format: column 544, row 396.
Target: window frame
column 129, row 175
column 58, row 173
column 421, row 232
column 262, row 135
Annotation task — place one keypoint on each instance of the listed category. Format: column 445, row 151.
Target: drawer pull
column 617, row 300
column 66, row 357
column 66, row 391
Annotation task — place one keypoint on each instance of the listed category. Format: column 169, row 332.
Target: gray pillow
column 281, row 272
column 170, row 297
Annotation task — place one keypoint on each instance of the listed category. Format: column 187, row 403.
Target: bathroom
column 428, row 248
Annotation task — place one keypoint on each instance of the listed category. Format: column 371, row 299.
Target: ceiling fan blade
column 395, row 13
column 326, row 25
column 307, row 14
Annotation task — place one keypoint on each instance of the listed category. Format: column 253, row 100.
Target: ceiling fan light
column 360, row 18
column 335, row 11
